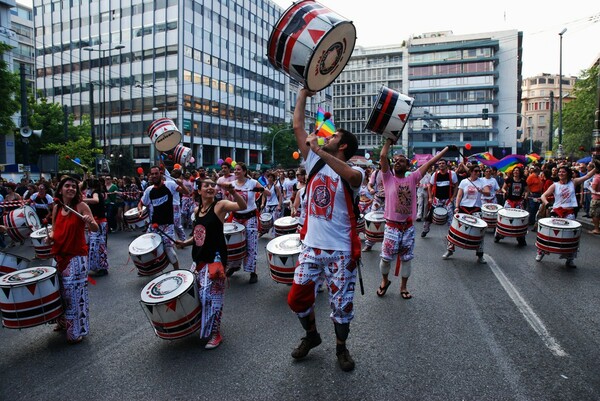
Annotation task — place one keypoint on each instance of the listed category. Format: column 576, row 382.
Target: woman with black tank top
column 208, row 239
column 94, row 197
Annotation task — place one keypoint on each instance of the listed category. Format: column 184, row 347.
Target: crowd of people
column 328, row 196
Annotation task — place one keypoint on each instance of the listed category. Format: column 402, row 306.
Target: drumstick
column 155, row 227
column 56, row 200
column 360, row 280
column 326, row 117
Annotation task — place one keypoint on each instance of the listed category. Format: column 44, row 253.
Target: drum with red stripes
column 360, row 224
column 182, row 154
column 311, row 44
column 512, row 222
column 374, row 226
column 466, row 231
column 390, row 114
column 235, row 237
column 285, row 225
column 489, row 214
column 30, row 297
column 136, row 219
column 11, row 263
column 148, row 254
column 266, row 222
column 439, row 215
column 164, row 134
column 21, row 222
column 171, row 303
column 41, row 247
column 282, row 256
column 556, row 235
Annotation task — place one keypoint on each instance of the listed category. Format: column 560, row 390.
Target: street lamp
column 103, row 110
column 273, row 144
column 560, row 100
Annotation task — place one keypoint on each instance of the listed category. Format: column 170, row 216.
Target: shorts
column 595, row 208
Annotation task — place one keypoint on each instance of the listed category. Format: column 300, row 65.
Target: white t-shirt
column 246, row 192
column 471, row 195
column 288, row 187
column 327, row 217
column 492, row 184
column 225, row 180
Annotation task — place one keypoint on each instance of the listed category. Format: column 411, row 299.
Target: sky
column 388, row 22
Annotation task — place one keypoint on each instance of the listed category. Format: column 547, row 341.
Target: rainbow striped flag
column 485, row 158
column 508, row 163
column 326, row 129
column 532, row 157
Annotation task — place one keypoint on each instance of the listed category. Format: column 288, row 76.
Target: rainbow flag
column 326, row 129
column 485, row 158
column 532, row 157
column 508, row 163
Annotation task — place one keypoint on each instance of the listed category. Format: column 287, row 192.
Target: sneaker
column 215, row 341
column 253, row 278
column 231, row 270
column 481, row 260
column 539, row 257
column 367, row 248
column 496, row 239
column 424, row 234
column 345, row 360
column 418, row 219
column 101, row 273
column 570, row 263
column 306, row 344
column 447, row 254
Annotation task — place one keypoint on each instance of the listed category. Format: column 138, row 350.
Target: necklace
column 204, row 211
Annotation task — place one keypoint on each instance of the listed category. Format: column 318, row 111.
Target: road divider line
column 530, row 316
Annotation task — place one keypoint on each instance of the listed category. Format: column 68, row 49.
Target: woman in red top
column 71, row 253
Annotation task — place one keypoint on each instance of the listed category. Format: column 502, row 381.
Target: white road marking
column 534, row 321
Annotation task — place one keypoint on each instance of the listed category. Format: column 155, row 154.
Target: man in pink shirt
column 399, row 212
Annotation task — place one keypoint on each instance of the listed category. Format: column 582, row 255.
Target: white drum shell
column 42, row 249
column 512, row 222
column 390, row 114
column 374, row 226
column 164, row 134
column 557, row 235
column 10, row 263
column 148, row 254
column 285, row 225
column 439, row 216
column 466, row 231
column 235, row 237
column 282, row 256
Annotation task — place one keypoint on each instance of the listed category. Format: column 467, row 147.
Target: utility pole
column 596, row 131
column 24, row 114
column 551, row 120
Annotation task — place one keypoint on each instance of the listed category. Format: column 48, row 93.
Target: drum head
column 288, row 244
column 167, row 286
column 134, row 212
column 440, row 211
column 233, row 227
column 559, row 223
column 32, row 218
column 491, row 207
column 266, row 217
column 27, row 276
column 471, row 220
column 41, row 233
column 144, row 244
column 375, row 216
column 286, row 221
column 513, row 213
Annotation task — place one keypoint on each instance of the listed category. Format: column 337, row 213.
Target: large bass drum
column 390, row 114
column 311, row 44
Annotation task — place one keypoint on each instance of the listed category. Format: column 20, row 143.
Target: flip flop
column 405, row 295
column 382, row 290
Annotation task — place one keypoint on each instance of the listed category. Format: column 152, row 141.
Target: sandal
column 405, row 295
column 382, row 290
column 75, row 341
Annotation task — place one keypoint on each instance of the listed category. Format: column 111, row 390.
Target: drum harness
column 353, row 211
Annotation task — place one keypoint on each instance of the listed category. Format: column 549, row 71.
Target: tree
column 578, row 114
column 71, row 150
column 285, row 145
column 47, row 117
column 121, row 162
column 9, row 89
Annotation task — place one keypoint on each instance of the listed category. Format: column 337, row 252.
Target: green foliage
column 68, row 151
column 578, row 115
column 284, row 146
column 9, row 94
column 121, row 162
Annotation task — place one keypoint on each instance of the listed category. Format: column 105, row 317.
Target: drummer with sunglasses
column 207, row 239
column 468, row 201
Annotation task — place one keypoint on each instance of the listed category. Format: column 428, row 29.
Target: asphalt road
column 513, row 329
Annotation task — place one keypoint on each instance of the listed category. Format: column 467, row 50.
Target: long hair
column 77, row 198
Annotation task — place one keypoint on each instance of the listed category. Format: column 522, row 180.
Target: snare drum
column 164, row 134
column 556, row 235
column 21, row 222
column 43, row 250
column 134, row 219
column 282, row 255
column 11, row 263
column 286, row 225
column 182, row 154
column 311, row 44
column 235, row 237
column 148, row 254
column 512, row 222
column 266, row 222
column 374, row 226
column 390, row 114
column 489, row 214
column 30, row 297
column 171, row 303
column 466, row 231
column 440, row 215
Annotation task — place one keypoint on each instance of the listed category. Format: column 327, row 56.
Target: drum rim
column 576, row 225
column 151, row 236
column 373, row 213
column 510, row 209
column 293, row 220
column 51, row 271
column 175, row 294
column 275, row 241
column 478, row 220
column 41, row 230
column 240, row 227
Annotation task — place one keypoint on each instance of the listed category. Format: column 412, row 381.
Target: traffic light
column 484, row 113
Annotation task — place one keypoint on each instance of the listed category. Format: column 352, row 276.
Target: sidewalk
column 586, row 222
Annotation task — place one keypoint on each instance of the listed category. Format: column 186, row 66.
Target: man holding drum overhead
column 158, row 197
column 399, row 212
column 331, row 243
